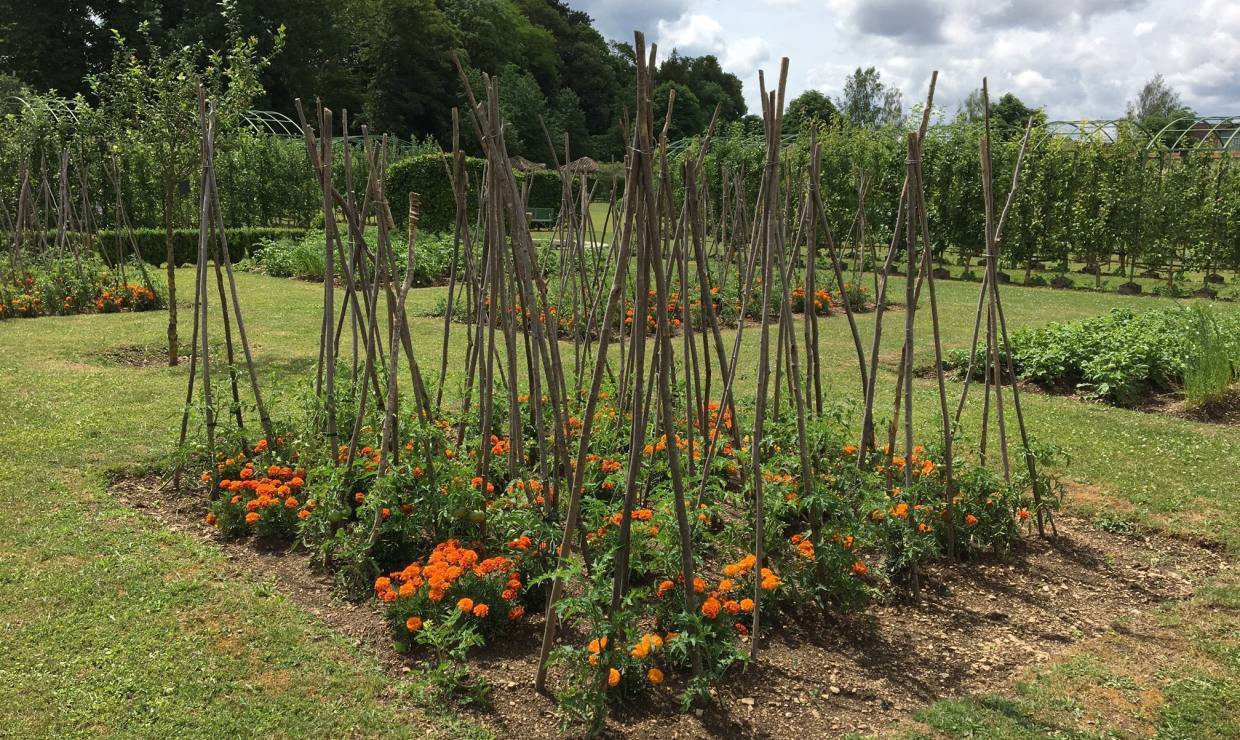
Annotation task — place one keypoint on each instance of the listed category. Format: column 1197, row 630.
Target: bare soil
column 817, row 675
column 137, row 355
column 1225, row 410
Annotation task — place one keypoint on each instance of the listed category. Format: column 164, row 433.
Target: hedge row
column 152, row 242
column 427, row 175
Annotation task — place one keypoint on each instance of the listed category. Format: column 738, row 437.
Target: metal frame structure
column 1211, row 127
column 271, row 122
column 58, row 108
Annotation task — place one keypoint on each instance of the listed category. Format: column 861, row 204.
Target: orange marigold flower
column 359, row 497
column 859, row 568
column 710, row 607
column 516, row 613
column 481, row 611
column 251, row 518
column 970, row 520
column 211, row 518
column 466, row 604
column 613, row 677
column 413, row 624
column 655, row 676
column 746, row 605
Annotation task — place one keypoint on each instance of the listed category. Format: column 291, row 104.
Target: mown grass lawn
column 113, row 625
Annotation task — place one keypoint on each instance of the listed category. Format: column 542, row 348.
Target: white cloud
column 1076, row 58
column 1031, row 83
column 746, row 55
column 692, row 31
column 699, row 33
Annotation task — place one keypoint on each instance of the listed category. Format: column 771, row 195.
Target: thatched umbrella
column 583, row 166
column 521, row 164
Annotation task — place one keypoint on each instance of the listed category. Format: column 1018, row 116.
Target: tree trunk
column 169, row 196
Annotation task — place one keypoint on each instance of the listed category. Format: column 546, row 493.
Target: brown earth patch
column 1225, row 410
column 137, row 355
column 817, row 675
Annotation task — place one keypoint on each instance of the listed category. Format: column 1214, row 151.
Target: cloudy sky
column 1076, row 58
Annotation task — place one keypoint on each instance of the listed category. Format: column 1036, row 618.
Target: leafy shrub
column 257, row 493
column 1215, row 359
column 304, row 258
column 485, row 591
column 1123, row 356
column 68, row 286
column 427, row 175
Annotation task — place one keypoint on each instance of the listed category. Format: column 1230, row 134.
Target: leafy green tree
column 150, row 102
column 1011, row 114
column 867, row 101
column 709, row 83
column 809, row 108
column 1156, row 105
column 412, row 83
column 53, row 45
column 688, row 117
column 495, row 33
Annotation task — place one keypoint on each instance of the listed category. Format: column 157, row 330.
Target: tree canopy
column 868, row 101
column 387, row 61
column 810, row 107
column 1008, row 114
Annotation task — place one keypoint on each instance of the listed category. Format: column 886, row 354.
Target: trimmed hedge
column 152, row 245
column 425, row 174
column 546, row 189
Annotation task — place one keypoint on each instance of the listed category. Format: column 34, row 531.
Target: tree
column 688, row 118
column 1156, row 105
column 1155, row 99
column 412, row 82
column 809, row 108
column 495, row 33
column 970, row 109
column 709, row 83
column 1008, row 116
column 53, row 45
column 867, row 101
column 150, row 102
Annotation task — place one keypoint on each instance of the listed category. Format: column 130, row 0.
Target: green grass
column 113, row 625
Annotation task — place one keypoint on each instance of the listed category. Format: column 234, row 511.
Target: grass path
column 115, row 626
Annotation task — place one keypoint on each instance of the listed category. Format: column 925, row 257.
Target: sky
column 1075, row 58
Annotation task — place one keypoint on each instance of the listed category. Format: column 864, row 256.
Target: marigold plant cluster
column 444, row 540
column 64, row 286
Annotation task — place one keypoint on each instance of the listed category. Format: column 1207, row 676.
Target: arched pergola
column 271, row 122
column 1107, row 130
column 1214, row 133
column 61, row 110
